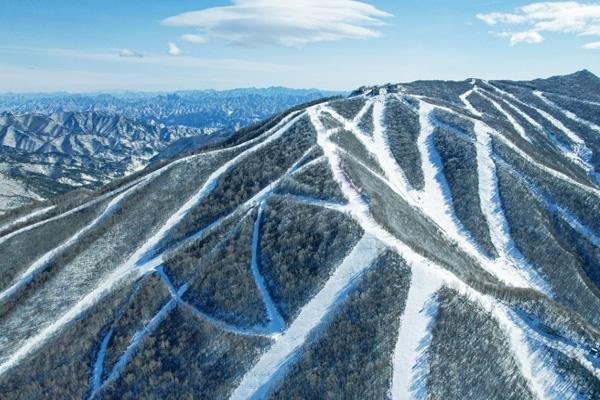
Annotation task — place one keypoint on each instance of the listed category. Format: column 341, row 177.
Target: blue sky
column 94, row 45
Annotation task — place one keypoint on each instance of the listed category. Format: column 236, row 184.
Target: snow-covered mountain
column 45, row 155
column 427, row 240
column 205, row 109
column 53, row 143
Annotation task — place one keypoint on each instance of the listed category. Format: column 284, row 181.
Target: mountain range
column 432, row 239
column 206, row 109
column 52, row 144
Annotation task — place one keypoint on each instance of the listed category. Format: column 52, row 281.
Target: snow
column 27, row 217
column 578, row 153
column 428, row 276
column 414, row 336
column 436, row 201
column 409, row 359
column 463, row 97
column 517, row 127
column 276, row 322
column 567, row 113
column 511, row 261
column 99, row 363
column 272, row 365
column 316, row 202
column 39, row 265
column 545, row 168
column 136, row 341
column 138, row 259
column 147, row 249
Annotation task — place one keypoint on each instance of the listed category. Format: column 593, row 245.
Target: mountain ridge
column 337, row 250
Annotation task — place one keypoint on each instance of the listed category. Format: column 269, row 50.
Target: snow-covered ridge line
column 271, row 367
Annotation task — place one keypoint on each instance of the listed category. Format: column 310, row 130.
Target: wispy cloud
column 165, row 60
column 527, row 24
column 130, row 53
column 290, row 23
column 173, row 50
column 592, row 46
column 193, row 38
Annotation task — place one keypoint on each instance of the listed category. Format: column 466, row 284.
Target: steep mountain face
column 206, row 109
column 428, row 240
column 44, row 155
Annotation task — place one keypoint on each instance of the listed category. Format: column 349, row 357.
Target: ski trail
column 577, row 352
column 543, row 380
column 592, row 103
column 40, row 264
column 356, row 120
column 135, row 260
column 276, row 324
column 137, row 181
column 511, row 261
column 436, row 201
column 578, row 152
column 557, row 174
column 463, row 98
column 316, row 202
column 351, row 127
column 271, row 367
column 516, row 126
column 99, row 364
column 360, row 212
column 27, row 217
column 513, row 107
column 556, row 208
column 384, row 156
column 583, row 152
column 567, row 113
column 70, row 212
column 414, row 336
column 136, row 341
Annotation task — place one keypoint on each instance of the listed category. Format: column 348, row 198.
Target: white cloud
column 570, row 17
column 130, row 53
column 191, row 38
column 525, row 37
column 592, row 46
column 290, row 23
column 174, row 50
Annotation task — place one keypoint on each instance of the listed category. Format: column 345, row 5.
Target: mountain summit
column 426, row 240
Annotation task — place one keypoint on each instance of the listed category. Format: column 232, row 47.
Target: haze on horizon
column 327, row 44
